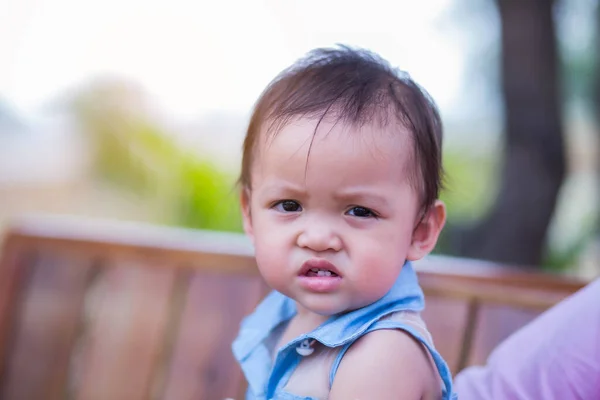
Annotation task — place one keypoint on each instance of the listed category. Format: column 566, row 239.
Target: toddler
column 340, row 179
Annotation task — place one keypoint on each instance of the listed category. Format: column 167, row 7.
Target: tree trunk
column 533, row 161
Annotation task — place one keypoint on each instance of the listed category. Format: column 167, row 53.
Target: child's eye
column 288, row 206
column 361, row 212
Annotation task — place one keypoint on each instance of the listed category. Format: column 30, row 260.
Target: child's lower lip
column 320, row 284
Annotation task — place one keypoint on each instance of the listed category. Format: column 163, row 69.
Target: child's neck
column 308, row 319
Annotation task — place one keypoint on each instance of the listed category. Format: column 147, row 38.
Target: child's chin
column 325, row 310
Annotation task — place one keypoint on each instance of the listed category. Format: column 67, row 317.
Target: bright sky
column 196, row 56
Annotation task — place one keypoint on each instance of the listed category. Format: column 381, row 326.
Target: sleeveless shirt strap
column 440, row 364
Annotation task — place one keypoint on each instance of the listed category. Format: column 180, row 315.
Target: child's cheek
column 271, row 264
column 379, row 264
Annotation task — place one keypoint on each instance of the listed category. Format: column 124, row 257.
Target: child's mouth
column 319, row 267
column 320, row 276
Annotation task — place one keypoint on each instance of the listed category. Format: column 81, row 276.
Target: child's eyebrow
column 362, row 195
column 278, row 187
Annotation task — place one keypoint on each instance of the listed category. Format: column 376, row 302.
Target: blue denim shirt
column 267, row 378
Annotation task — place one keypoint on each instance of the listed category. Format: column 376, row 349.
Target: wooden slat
column 14, row 268
column 445, row 320
column 172, row 247
column 127, row 310
column 203, row 367
column 45, row 330
column 456, row 270
column 452, row 287
column 494, row 324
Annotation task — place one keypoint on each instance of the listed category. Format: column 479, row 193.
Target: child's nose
column 319, row 237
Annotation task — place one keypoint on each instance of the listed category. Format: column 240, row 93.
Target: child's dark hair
column 356, row 87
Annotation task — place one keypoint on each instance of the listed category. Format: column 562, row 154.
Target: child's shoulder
column 386, row 362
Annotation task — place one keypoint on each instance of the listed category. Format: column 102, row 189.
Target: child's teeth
column 323, row 273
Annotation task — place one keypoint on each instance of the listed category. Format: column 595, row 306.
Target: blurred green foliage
column 132, row 152
column 469, row 184
column 469, row 190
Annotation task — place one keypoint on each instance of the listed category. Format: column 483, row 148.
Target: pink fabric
column 555, row 357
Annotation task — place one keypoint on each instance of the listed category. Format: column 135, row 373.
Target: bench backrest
column 122, row 311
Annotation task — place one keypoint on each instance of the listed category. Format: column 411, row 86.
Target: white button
column 305, row 348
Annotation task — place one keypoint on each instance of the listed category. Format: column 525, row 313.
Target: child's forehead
column 333, row 147
column 334, row 131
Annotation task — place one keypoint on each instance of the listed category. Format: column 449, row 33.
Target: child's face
column 346, row 209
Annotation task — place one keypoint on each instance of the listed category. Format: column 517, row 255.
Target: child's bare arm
column 386, row 364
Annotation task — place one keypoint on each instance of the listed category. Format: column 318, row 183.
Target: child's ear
column 426, row 234
column 246, row 217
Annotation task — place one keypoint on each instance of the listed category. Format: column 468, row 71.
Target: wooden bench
column 112, row 310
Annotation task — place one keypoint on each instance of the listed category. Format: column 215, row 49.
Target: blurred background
column 136, row 110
